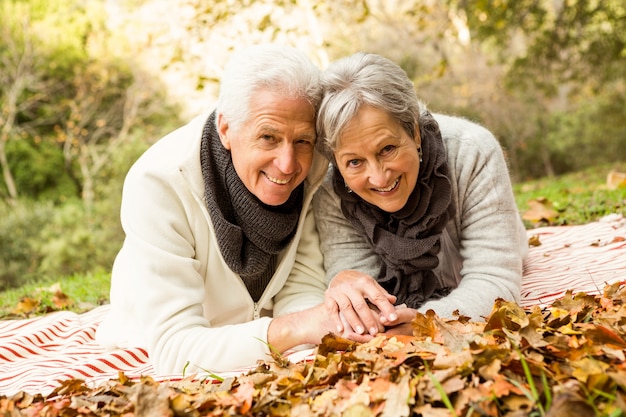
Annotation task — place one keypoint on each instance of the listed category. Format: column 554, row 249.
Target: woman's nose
column 378, row 175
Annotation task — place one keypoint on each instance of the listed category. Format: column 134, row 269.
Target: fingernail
column 373, row 331
column 339, row 329
column 359, row 329
column 393, row 316
column 383, row 319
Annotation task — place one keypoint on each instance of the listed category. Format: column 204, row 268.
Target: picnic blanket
column 37, row 354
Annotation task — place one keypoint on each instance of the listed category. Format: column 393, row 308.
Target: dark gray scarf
column 249, row 233
column 408, row 241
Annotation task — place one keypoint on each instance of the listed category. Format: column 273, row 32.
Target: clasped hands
column 361, row 308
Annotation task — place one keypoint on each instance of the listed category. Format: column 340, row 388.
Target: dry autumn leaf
column 566, row 359
column 615, row 180
column 540, row 210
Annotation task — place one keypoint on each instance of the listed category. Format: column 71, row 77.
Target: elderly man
column 221, row 258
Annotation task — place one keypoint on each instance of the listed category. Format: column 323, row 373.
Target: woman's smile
column 390, row 188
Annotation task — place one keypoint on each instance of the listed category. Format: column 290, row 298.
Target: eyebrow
column 273, row 130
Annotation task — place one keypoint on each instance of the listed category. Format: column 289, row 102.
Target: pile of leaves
column 564, row 360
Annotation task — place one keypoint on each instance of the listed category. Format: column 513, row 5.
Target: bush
column 72, row 242
column 39, row 171
column 20, row 228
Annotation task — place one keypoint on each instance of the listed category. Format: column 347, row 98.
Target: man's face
column 272, row 151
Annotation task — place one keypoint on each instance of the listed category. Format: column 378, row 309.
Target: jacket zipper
column 257, row 314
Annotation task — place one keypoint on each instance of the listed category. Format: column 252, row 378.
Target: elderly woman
column 221, row 258
column 417, row 210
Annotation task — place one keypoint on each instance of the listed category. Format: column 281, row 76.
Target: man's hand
column 403, row 325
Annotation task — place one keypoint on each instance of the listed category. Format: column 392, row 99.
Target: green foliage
column 67, row 243
column 69, row 101
column 551, row 42
column 592, row 134
column 40, row 171
column 19, row 234
column 43, row 239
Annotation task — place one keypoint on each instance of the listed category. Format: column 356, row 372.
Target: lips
column 391, row 187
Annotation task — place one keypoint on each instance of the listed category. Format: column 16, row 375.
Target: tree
column 554, row 42
column 23, row 86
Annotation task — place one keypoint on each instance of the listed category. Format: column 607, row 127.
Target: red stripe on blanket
column 578, row 258
column 36, row 354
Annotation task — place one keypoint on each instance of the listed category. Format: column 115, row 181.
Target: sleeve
column 157, row 280
column 306, row 283
column 491, row 237
column 342, row 246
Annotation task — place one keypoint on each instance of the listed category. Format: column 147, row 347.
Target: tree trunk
column 6, row 171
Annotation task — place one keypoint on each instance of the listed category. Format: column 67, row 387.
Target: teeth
column 277, row 181
column 391, row 187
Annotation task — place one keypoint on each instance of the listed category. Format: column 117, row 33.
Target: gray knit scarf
column 249, row 233
column 408, row 241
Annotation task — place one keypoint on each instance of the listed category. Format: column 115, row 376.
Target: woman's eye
column 353, row 163
column 387, row 149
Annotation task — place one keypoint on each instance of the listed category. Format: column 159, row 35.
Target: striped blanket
column 36, row 354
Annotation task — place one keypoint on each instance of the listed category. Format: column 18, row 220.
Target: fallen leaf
column 540, row 210
column 615, row 180
column 534, row 241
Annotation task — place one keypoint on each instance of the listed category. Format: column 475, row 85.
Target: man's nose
column 286, row 159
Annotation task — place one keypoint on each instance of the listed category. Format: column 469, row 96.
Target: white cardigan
column 171, row 291
column 483, row 246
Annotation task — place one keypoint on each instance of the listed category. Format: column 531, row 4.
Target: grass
column 79, row 293
column 576, row 198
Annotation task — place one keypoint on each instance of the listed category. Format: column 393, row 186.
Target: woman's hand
column 357, row 303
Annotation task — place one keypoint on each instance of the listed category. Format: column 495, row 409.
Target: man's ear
column 222, row 130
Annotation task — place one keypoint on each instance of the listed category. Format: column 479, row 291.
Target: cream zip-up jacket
column 171, row 291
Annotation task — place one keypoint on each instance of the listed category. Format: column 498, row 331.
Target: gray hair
column 284, row 70
column 364, row 79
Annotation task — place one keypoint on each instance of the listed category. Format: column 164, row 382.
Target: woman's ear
column 222, row 130
column 418, row 137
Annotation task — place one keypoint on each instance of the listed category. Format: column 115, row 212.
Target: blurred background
column 86, row 86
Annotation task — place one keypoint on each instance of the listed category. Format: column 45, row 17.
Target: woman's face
column 378, row 159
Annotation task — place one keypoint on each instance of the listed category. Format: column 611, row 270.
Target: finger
column 405, row 315
column 367, row 316
column 333, row 312
column 351, row 317
column 361, row 338
column 350, row 304
column 379, row 298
